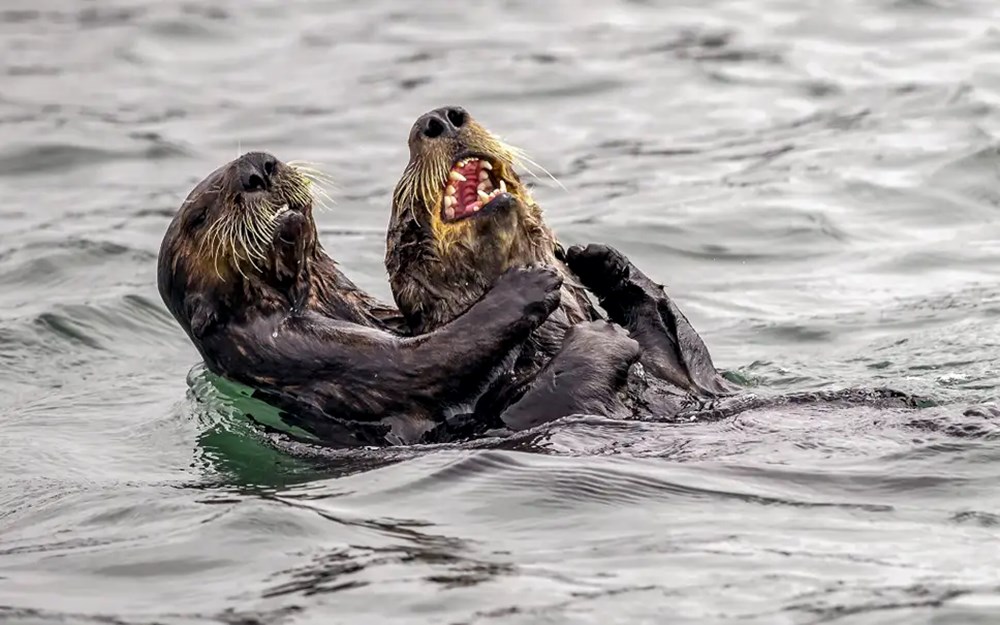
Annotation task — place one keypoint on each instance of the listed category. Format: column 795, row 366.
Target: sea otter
column 461, row 217
column 242, row 270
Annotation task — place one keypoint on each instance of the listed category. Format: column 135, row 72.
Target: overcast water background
column 817, row 182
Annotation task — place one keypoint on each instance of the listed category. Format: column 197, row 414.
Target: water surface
column 816, row 182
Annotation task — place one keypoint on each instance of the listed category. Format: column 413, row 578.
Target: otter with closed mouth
column 243, row 272
column 461, row 216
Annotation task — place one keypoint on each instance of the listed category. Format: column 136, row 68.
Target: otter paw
column 537, row 288
column 600, row 267
column 289, row 227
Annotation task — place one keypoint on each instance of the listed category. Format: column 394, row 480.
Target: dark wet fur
column 312, row 343
column 433, row 282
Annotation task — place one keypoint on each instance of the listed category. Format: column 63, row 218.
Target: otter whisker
column 311, row 185
column 321, row 197
column 521, row 159
column 402, row 195
column 218, row 235
column 300, row 164
column 312, row 179
column 317, row 177
column 249, row 257
column 312, row 171
column 259, row 228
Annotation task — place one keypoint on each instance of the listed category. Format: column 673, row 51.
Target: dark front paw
column 290, row 226
column 600, row 267
column 537, row 288
column 291, row 234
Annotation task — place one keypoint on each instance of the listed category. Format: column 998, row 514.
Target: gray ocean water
column 817, row 182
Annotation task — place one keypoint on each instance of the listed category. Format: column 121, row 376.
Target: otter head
column 461, row 184
column 234, row 238
column 461, row 203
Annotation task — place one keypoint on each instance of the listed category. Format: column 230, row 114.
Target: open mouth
column 472, row 189
column 289, row 206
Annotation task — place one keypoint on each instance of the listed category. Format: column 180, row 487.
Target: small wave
column 47, row 159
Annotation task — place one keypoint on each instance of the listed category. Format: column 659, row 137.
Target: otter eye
column 433, row 129
column 196, row 220
column 456, row 117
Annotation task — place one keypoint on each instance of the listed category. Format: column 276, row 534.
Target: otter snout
column 443, row 122
column 254, row 171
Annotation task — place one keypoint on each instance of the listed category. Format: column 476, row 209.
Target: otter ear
column 202, row 315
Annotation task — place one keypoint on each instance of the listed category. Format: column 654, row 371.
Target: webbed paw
column 536, row 288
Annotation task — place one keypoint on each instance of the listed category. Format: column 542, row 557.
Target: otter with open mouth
column 461, row 216
column 242, row 270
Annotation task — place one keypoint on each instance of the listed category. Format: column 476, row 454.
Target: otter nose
column 442, row 122
column 255, row 171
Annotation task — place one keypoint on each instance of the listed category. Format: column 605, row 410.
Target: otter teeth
column 452, row 206
column 284, row 209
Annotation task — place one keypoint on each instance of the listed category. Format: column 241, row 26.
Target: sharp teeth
column 449, row 213
column 476, row 206
column 449, row 201
column 503, row 187
column 486, row 165
column 457, row 177
column 483, row 175
column 484, row 186
column 449, row 190
column 282, row 209
column 484, row 196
